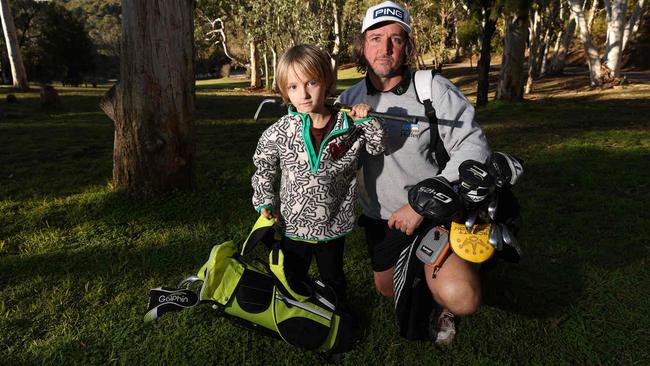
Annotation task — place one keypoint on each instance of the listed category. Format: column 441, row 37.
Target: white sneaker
column 442, row 327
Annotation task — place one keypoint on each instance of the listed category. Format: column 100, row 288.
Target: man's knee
column 384, row 283
column 459, row 298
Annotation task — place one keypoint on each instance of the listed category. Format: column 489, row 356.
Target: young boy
column 317, row 153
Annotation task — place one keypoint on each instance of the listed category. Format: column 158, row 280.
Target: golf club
column 407, row 118
column 510, row 239
column 495, row 237
column 343, row 108
column 492, row 208
column 262, row 103
column 471, row 220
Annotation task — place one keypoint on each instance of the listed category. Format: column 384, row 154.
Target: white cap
column 387, row 11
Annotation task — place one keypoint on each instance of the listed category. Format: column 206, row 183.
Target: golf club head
column 506, row 234
column 262, row 103
column 505, row 168
column 492, row 208
column 510, row 239
column 476, row 183
column 495, row 237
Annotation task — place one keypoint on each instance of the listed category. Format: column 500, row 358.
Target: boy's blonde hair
column 309, row 60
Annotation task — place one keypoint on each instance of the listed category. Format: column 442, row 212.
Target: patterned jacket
column 317, row 191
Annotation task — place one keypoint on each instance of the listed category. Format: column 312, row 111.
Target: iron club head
column 492, row 209
column 510, row 239
column 495, row 237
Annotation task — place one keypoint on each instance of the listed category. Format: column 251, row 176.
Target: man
column 384, row 50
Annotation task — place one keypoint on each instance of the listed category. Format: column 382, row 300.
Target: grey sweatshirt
column 406, row 161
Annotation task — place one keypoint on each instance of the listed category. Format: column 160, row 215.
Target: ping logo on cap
column 387, row 12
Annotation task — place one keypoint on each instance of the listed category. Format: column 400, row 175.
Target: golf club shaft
column 407, row 118
column 343, row 108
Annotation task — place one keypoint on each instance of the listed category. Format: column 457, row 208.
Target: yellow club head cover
column 471, row 246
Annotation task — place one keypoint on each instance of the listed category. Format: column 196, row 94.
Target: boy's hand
column 266, row 213
column 359, row 111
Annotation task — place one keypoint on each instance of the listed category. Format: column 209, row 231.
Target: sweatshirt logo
column 410, row 130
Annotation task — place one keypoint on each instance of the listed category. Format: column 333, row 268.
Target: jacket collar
column 398, row 89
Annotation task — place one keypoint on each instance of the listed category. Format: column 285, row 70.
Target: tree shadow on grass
column 583, row 211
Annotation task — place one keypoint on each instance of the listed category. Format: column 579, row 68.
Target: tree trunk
column 13, row 50
column 533, row 49
column 457, row 49
column 275, row 69
column 256, row 78
column 266, row 71
column 615, row 40
column 557, row 63
column 511, row 79
column 590, row 51
column 483, row 87
column 633, row 23
column 592, row 14
column 153, row 103
column 337, row 11
column 544, row 50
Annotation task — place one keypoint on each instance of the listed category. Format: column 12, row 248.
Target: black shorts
column 384, row 244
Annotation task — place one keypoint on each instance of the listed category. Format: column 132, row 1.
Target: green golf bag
column 257, row 294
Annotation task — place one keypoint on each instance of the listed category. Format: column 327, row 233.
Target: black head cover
column 505, row 168
column 434, row 199
column 476, row 182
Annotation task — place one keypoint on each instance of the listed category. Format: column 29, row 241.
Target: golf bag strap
column 276, row 264
column 423, row 80
column 259, row 232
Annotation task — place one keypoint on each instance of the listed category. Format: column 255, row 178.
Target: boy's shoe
column 442, row 327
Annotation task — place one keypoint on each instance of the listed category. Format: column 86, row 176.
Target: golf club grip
column 344, row 108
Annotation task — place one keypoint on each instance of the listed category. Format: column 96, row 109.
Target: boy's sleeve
column 374, row 133
column 266, row 160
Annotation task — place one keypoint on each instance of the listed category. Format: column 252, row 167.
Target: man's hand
column 405, row 219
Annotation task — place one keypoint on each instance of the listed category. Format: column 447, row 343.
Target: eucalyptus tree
column 616, row 19
column 13, row 49
column 486, row 13
column 566, row 27
column 152, row 105
column 543, row 15
column 633, row 23
column 433, row 24
column 511, row 77
column 590, row 50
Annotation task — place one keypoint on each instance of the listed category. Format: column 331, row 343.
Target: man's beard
column 390, row 73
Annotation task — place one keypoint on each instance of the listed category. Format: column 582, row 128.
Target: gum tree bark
column 633, row 23
column 489, row 27
column 562, row 46
column 511, row 79
column 590, row 50
column 13, row 49
column 152, row 105
column 616, row 28
column 256, row 77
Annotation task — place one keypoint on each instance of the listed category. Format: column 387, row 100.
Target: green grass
column 77, row 261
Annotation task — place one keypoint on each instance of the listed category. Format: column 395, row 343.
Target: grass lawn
column 77, row 261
